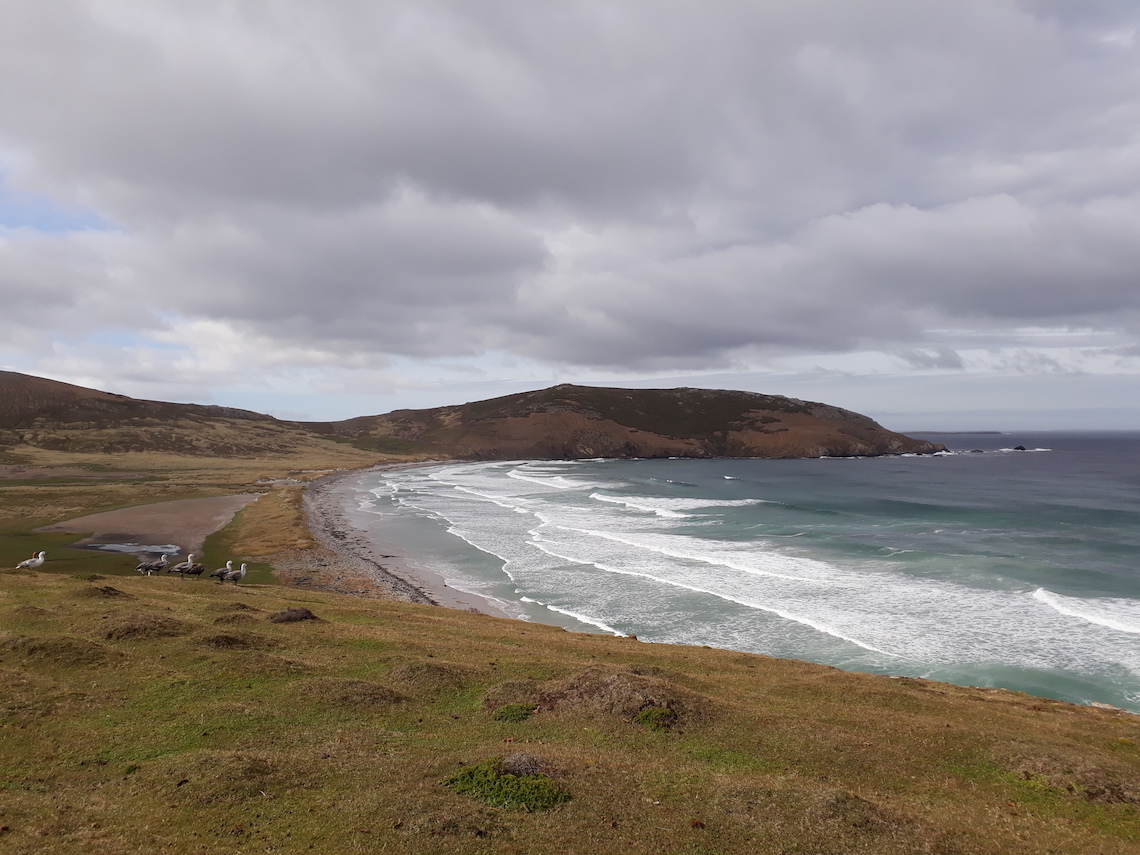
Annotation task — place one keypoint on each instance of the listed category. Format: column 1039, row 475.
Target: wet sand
column 331, row 504
column 183, row 522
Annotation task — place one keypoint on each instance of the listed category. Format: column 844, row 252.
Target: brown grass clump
column 352, row 693
column 31, row 612
column 61, row 650
column 292, row 615
column 142, row 627
column 213, row 777
column 623, row 693
column 234, row 607
column 429, row 678
column 235, row 620
column 237, row 641
column 104, row 592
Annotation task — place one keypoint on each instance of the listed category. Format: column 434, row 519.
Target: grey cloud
column 637, row 185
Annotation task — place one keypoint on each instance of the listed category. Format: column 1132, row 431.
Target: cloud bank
column 617, row 187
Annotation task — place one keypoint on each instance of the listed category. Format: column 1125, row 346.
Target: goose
column 235, row 576
column 187, row 568
column 221, row 572
column 32, row 563
column 149, row 567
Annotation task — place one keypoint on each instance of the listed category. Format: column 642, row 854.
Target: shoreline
column 352, row 551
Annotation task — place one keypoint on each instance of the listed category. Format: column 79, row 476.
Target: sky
column 924, row 211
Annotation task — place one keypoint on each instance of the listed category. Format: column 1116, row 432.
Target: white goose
column 32, row 563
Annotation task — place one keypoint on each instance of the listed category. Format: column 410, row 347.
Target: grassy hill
column 561, row 422
column 153, row 714
column 585, row 421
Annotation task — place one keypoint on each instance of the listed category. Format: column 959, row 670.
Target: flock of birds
column 189, row 567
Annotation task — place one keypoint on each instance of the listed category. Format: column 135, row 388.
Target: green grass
column 513, row 712
column 488, row 783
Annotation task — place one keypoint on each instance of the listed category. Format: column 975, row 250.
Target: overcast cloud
column 199, row 198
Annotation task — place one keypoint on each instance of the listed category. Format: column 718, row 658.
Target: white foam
column 638, row 505
column 671, row 505
column 786, row 615
column 1122, row 615
column 586, row 619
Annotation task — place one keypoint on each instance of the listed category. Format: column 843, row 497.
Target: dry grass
column 142, row 714
column 272, row 524
column 336, row 736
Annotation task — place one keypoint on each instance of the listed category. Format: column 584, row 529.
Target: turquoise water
column 988, row 567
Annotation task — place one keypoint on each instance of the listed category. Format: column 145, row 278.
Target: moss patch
column 489, row 783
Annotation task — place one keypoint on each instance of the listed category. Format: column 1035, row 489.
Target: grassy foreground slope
column 153, row 714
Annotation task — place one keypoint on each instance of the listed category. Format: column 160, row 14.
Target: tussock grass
column 336, row 736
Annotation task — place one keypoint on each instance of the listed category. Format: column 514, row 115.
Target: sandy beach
column 356, row 554
column 185, row 523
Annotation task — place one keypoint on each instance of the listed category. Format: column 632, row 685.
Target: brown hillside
column 568, row 421
column 46, row 414
column 27, row 402
column 563, row 422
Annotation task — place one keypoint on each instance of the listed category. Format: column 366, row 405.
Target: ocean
column 989, row 566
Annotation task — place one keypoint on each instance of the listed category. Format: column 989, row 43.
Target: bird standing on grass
column 189, row 567
column 149, row 567
column 221, row 572
column 32, row 563
column 234, row 576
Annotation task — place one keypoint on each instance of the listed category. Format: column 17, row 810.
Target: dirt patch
column 352, row 693
column 62, row 651
column 31, row 612
column 237, row 641
column 1099, row 779
column 517, row 692
column 226, row 777
column 855, row 812
column 480, row 824
column 256, row 662
column 292, row 615
column 236, row 607
column 141, row 627
column 621, row 693
column 235, row 620
column 105, row 592
column 429, row 678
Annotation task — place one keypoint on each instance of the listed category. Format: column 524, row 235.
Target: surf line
column 818, row 627
column 1055, row 602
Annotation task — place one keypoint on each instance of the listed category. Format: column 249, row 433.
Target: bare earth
column 186, row 522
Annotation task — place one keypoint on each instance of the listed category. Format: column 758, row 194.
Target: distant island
column 562, row 422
